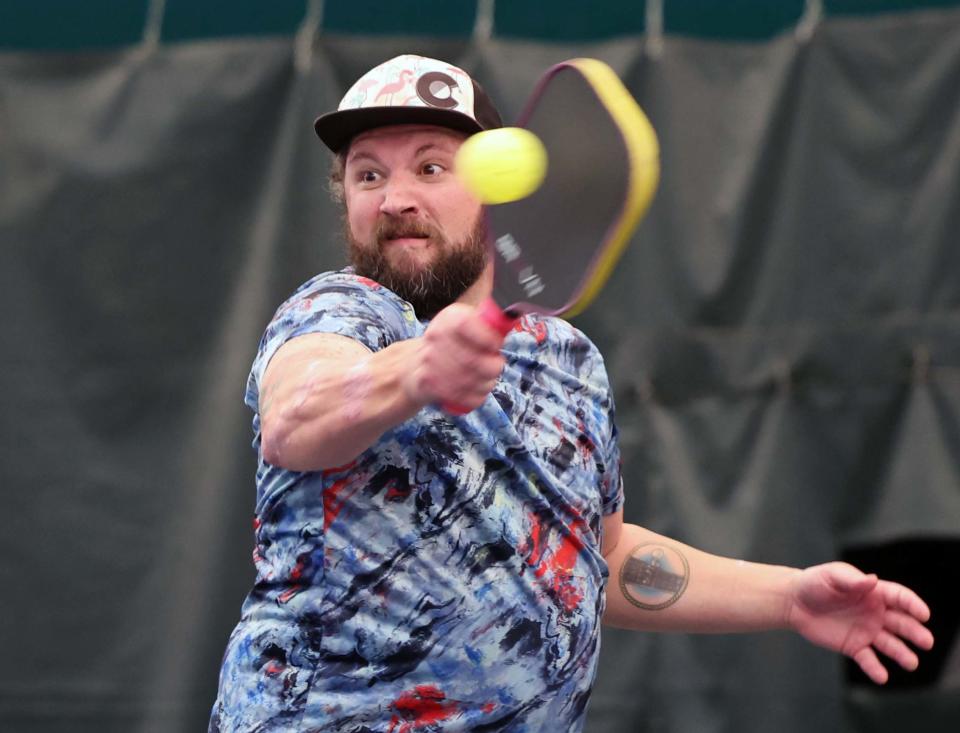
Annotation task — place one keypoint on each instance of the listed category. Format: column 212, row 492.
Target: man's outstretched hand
column 838, row 607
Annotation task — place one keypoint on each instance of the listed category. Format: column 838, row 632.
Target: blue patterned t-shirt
column 450, row 577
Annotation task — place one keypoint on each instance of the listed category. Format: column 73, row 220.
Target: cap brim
column 336, row 129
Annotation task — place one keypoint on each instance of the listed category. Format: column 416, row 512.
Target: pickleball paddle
column 554, row 249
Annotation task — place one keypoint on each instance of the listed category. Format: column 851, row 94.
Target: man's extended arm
column 659, row 584
column 326, row 398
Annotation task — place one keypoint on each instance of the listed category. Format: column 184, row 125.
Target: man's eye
column 432, row 169
column 368, row 176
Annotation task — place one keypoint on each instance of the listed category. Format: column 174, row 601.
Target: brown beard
column 428, row 288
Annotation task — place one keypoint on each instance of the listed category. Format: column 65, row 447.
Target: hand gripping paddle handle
column 498, row 320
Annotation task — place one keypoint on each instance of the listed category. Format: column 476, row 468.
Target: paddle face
column 554, row 249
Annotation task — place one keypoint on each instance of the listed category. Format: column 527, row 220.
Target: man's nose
column 399, row 197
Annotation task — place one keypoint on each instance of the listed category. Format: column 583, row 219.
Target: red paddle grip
column 498, row 319
column 502, row 323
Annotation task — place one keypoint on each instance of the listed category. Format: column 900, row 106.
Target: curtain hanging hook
column 654, row 29
column 483, row 22
column 807, row 25
column 306, row 35
column 153, row 25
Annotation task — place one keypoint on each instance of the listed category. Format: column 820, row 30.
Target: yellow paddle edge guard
column 644, row 153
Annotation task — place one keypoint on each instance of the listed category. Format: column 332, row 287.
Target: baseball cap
column 409, row 89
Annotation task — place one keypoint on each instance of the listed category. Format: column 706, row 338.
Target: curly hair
column 338, row 164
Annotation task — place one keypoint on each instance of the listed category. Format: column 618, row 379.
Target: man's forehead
column 408, row 134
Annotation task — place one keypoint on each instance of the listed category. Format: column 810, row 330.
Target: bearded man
column 424, row 571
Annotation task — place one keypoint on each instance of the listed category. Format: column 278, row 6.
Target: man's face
column 410, row 224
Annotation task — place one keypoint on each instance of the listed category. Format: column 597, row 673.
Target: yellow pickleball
column 502, row 165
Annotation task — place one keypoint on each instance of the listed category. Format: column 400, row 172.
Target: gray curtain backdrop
column 783, row 337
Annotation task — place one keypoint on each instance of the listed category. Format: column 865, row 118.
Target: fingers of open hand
column 900, row 597
column 907, row 627
column 871, row 666
column 894, row 647
column 891, row 641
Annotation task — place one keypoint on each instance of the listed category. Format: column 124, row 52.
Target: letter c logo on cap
column 436, row 90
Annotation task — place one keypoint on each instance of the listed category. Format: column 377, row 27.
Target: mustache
column 392, row 228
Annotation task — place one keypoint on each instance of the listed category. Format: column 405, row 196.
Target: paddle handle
column 499, row 320
column 502, row 323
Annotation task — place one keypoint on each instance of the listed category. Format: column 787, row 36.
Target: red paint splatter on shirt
column 273, row 669
column 557, row 566
column 289, row 594
column 335, row 496
column 422, row 706
column 536, row 329
column 372, row 284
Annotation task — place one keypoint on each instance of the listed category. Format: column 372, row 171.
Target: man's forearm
column 330, row 410
column 658, row 584
column 327, row 398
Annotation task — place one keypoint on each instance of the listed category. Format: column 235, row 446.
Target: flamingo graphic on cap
column 386, row 94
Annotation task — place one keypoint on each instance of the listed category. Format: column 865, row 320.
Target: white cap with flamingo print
column 409, row 89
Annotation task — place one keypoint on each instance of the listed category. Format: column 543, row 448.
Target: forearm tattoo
column 654, row 576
